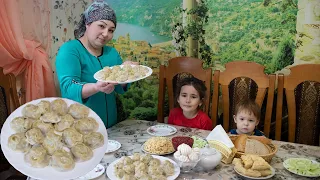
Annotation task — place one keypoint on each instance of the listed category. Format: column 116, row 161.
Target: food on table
column 59, row 106
column 71, row 137
column 303, row 166
column 32, row 111
column 37, row 157
column 78, row 111
column 93, row 139
column 21, row 124
column 34, row 136
column 127, row 72
column 252, row 145
column 147, row 167
column 66, row 121
column 62, row 160
column 185, row 153
column 86, row 125
column 81, row 152
column 50, row 117
column 252, row 165
column 52, row 132
column 158, row 145
column 18, row 142
column 176, row 141
column 198, row 142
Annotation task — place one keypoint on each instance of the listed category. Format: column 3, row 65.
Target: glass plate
column 161, row 130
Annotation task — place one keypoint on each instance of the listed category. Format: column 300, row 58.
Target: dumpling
column 44, row 106
column 52, row 142
column 159, row 177
column 18, row 142
column 62, row 160
column 127, row 161
column 31, row 111
column 86, row 125
column 154, row 162
column 59, row 106
column 119, row 173
column 37, row 157
column 128, row 177
column 50, row 117
column 44, row 127
column 146, row 158
column 78, row 111
column 65, row 122
column 81, row 152
column 129, row 169
column 34, row 136
column 136, row 157
column 93, row 140
column 145, row 177
column 168, row 168
column 21, row 124
column 71, row 137
column 155, row 170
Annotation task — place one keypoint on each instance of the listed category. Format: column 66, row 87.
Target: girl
column 247, row 117
column 191, row 92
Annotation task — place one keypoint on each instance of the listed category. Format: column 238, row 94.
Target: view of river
column 138, row 33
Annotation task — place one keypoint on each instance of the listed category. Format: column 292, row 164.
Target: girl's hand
column 105, row 87
column 130, row 62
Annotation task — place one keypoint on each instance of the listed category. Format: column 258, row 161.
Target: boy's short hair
column 250, row 106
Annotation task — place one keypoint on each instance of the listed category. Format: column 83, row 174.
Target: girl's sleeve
column 68, row 68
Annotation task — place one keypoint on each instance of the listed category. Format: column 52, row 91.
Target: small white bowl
column 186, row 166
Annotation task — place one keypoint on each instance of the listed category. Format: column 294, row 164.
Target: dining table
column 132, row 134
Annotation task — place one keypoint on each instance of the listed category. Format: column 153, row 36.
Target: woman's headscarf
column 98, row 10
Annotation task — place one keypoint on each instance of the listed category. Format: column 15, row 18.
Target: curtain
column 25, row 44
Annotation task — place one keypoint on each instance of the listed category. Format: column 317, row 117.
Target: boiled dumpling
column 136, row 156
column 44, row 106
column 129, row 169
column 168, row 168
column 66, row 121
column 159, row 177
column 21, row 124
column 31, row 111
column 154, row 162
column 50, row 117
column 78, row 111
column 59, row 106
column 81, row 152
column 34, row 136
column 37, row 157
column 119, row 173
column 86, row 125
column 93, row 140
column 44, row 127
column 18, row 142
column 62, row 160
column 52, row 142
column 71, row 137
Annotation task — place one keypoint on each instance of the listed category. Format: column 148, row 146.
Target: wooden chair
column 302, row 90
column 240, row 80
column 8, row 103
column 168, row 76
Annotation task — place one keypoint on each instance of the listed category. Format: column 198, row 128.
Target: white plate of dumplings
column 35, row 148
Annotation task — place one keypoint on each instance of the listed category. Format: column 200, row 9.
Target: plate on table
column 303, row 167
column 16, row 159
column 94, row 173
column 111, row 168
column 161, row 130
column 145, row 151
column 273, row 172
column 113, row 146
column 98, row 77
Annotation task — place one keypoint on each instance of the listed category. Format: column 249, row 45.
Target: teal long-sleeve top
column 75, row 66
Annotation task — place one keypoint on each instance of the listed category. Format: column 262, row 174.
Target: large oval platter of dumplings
column 54, row 138
column 122, row 74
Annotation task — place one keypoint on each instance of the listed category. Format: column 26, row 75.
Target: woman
column 79, row 59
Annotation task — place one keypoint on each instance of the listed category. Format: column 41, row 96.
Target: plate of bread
column 253, row 167
column 256, row 145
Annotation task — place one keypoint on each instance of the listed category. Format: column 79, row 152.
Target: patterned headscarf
column 98, row 10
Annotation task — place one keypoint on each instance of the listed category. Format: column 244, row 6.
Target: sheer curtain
column 24, row 45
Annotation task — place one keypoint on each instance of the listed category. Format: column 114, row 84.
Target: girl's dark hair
column 196, row 83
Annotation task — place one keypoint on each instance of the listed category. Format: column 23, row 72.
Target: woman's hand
column 105, row 87
column 130, row 62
